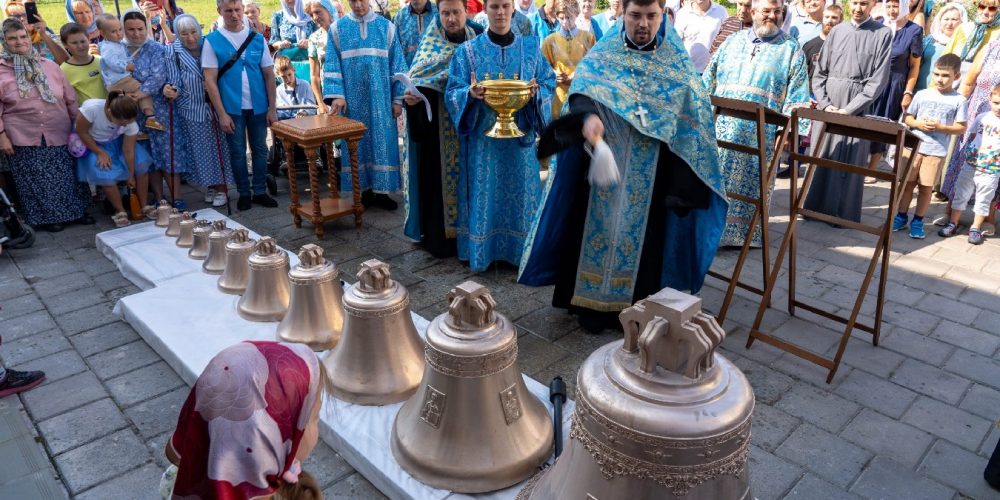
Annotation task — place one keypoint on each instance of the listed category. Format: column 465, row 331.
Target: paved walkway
column 914, row 418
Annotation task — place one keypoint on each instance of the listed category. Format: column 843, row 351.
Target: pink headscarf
column 240, row 428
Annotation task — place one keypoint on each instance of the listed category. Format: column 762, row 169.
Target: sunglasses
column 991, row 8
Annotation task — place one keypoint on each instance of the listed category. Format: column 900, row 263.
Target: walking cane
column 222, row 166
column 170, row 180
column 557, row 395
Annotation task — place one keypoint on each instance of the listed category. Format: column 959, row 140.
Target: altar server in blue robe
column 362, row 55
column 499, row 186
column 411, row 22
column 659, row 226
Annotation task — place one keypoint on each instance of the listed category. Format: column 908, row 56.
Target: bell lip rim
column 499, row 336
column 326, row 267
column 393, row 296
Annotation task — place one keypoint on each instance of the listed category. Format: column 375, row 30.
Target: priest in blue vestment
column 411, row 22
column 362, row 55
column 499, row 187
column 659, row 226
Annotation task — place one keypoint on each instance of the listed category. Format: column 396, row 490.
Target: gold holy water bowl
column 506, row 97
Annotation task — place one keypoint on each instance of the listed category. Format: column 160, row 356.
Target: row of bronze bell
column 658, row 414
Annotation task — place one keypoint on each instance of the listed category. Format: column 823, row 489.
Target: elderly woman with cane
column 196, row 143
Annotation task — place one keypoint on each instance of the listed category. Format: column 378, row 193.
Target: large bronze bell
column 658, row 415
column 199, row 240
column 237, row 273
column 266, row 296
column 472, row 425
column 215, row 263
column 315, row 311
column 174, row 223
column 185, row 239
column 163, row 211
column 380, row 358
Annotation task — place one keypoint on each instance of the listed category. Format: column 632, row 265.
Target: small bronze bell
column 315, row 311
column 266, row 296
column 199, row 240
column 238, row 249
column 163, row 211
column 185, row 239
column 472, row 426
column 380, row 358
column 215, row 263
column 174, row 222
column 658, row 415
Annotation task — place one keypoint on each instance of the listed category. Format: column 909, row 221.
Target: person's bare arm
column 212, row 88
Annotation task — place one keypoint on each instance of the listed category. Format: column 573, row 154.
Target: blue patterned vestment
column 499, row 186
column 411, row 26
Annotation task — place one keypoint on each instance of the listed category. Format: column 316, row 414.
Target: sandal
column 120, row 219
column 149, row 211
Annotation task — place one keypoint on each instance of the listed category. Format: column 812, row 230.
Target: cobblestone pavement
column 914, row 418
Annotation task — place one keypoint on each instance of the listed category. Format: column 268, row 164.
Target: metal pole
column 557, row 395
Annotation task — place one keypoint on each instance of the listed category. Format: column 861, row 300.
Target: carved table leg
column 315, row 194
column 352, row 146
column 292, row 182
column 333, row 172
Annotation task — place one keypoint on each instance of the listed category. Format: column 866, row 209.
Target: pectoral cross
column 641, row 115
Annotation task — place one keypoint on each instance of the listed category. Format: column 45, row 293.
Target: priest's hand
column 593, row 129
column 338, row 107
column 476, row 90
column 397, row 110
column 533, row 87
column 410, row 99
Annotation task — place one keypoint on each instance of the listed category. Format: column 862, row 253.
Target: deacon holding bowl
column 649, row 210
column 499, row 187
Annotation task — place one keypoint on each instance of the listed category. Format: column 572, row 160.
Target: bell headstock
column 471, row 306
column 374, row 276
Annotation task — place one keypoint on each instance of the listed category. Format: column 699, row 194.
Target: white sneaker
column 210, row 196
column 219, row 200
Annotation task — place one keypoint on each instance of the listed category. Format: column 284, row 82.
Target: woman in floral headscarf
column 37, row 111
column 250, row 421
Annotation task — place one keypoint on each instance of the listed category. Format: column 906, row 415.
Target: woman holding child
column 198, row 142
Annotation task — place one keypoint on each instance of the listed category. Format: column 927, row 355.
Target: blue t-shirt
column 948, row 108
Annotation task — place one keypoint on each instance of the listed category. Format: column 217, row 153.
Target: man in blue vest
column 243, row 98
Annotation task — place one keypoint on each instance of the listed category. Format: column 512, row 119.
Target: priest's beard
column 765, row 29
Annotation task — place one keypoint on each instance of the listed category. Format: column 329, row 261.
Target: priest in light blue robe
column 411, row 22
column 362, row 55
column 764, row 65
column 519, row 24
column 499, row 186
column 604, row 248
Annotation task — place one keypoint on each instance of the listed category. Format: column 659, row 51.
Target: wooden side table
column 310, row 133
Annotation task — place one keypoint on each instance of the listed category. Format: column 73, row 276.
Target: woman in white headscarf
column 948, row 19
column 290, row 30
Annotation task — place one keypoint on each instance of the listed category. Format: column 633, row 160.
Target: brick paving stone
column 46, row 269
column 549, row 323
column 768, row 384
column 861, row 354
column 11, row 309
column 139, row 484
column 807, row 371
column 909, row 318
column 104, row 337
column 809, row 336
column 115, row 295
column 771, row 426
column 931, row 381
column 353, row 487
column 886, row 437
column 32, row 347
column 982, row 401
column 973, row 279
column 819, row 407
column 583, row 343
column 73, row 301
column 884, row 478
column 972, row 339
column 535, row 354
column 829, row 456
column 87, row 318
column 110, row 281
column 58, row 286
column 915, row 345
column 63, row 395
column 29, row 324
column 959, row 469
column 413, row 261
column 326, row 465
column 990, row 444
column 143, row 383
column 770, row 475
column 566, row 368
column 953, row 310
column 158, row 415
column 56, row 366
column 812, row 487
column 975, row 367
column 81, row 425
column 958, row 426
column 13, row 287
column 157, row 447
column 736, row 341
column 93, row 262
column 985, row 299
column 97, row 462
column 122, row 359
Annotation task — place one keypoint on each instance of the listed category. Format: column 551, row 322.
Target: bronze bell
column 237, row 273
column 472, row 426
column 315, row 311
column 174, row 222
column 185, row 238
column 199, row 240
column 163, row 211
column 658, row 415
column 380, row 359
column 266, row 296
column 215, row 263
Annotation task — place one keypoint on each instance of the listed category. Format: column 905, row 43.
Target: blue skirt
column 88, row 171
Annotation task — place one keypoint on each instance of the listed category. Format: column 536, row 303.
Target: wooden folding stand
column 310, row 133
column 761, row 116
column 878, row 131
